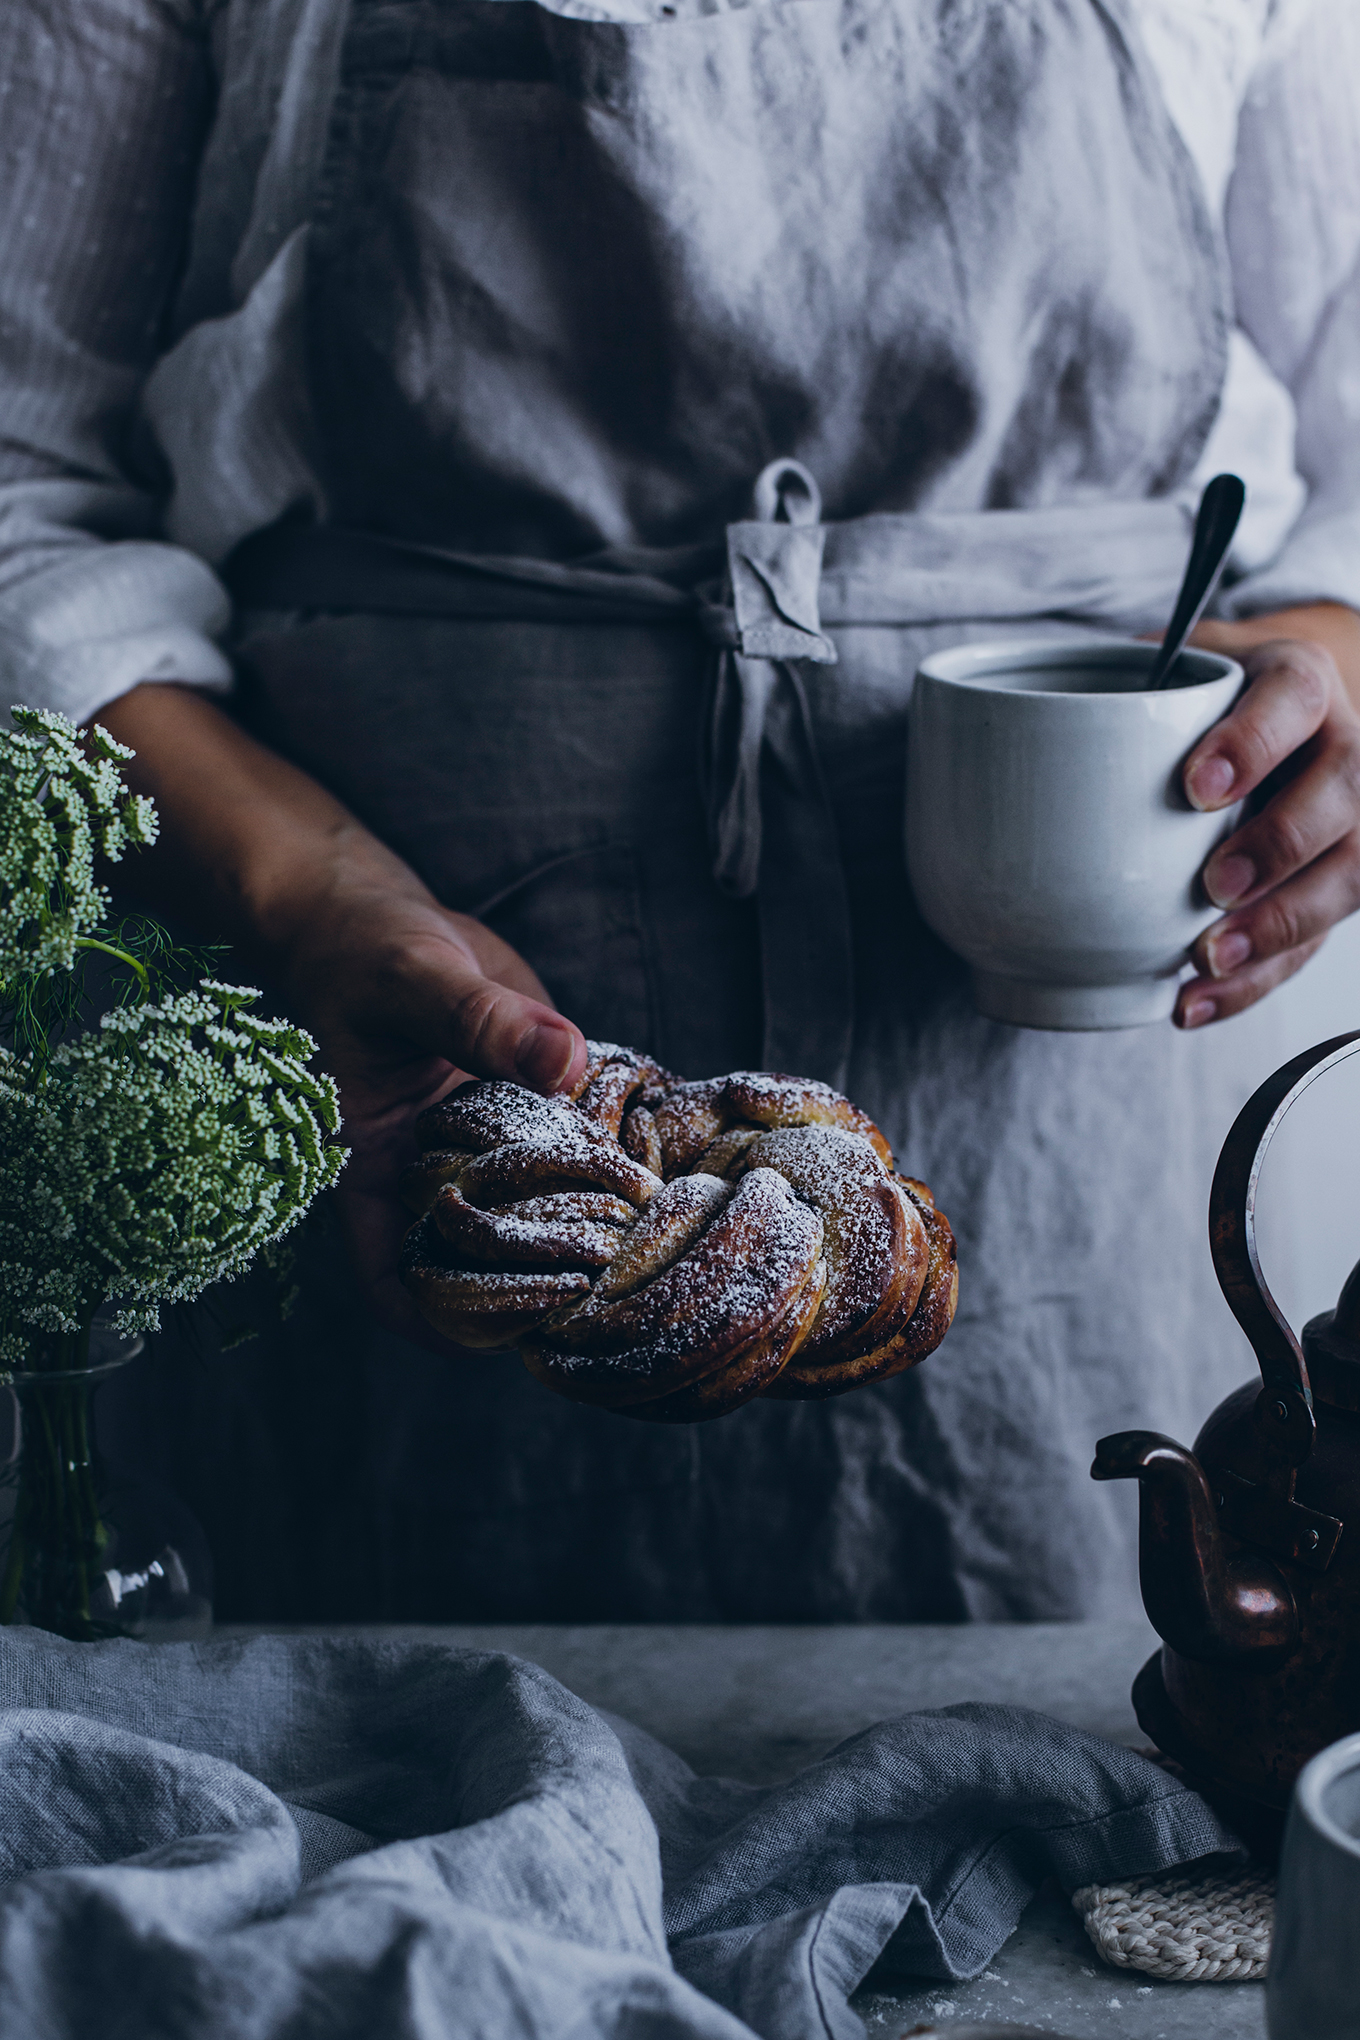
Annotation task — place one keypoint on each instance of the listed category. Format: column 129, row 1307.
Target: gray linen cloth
column 350, row 1837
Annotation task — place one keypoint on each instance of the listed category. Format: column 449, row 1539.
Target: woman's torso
column 231, row 402
column 569, row 343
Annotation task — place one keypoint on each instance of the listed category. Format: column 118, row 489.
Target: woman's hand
column 405, row 999
column 404, row 996
column 1293, row 869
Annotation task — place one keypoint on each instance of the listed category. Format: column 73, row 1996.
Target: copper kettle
column 1249, row 1546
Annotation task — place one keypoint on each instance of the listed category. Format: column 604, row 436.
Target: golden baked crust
column 670, row 1250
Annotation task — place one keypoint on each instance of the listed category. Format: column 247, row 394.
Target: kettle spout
column 1208, row 1607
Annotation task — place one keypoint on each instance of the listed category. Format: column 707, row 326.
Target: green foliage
column 158, row 1152
column 61, row 803
column 162, row 1152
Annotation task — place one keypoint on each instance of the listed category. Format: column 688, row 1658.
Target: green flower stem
column 14, row 1560
column 64, row 1531
column 143, row 976
column 57, row 1537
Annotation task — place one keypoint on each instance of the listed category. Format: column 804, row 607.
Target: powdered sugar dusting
column 737, row 1280
column 562, row 1161
column 774, row 1183
column 841, row 1175
column 490, row 1112
column 519, row 1286
column 565, row 1240
column 599, row 1207
column 671, row 1223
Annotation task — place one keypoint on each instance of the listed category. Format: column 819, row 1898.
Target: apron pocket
column 577, row 919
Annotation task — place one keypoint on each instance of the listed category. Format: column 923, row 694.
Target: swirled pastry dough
column 669, row 1250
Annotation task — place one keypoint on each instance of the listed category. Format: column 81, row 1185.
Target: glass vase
column 86, row 1550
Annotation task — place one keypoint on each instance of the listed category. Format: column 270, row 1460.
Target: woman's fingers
column 1292, row 915
column 1293, row 869
column 1312, row 812
column 1201, row 1000
column 1294, row 689
column 407, row 996
column 451, row 1007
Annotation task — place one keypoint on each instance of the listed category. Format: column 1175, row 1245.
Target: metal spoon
column 1220, row 509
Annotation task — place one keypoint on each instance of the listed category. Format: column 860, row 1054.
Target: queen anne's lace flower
column 160, row 1153
column 60, row 805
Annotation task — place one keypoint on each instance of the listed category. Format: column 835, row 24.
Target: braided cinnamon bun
column 670, row 1250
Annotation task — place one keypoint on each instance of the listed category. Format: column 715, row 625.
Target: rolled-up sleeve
column 103, row 108
column 1293, row 222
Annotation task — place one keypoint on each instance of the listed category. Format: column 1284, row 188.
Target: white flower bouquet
column 142, row 1158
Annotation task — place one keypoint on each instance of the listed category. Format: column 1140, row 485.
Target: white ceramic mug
column 1049, row 841
column 1313, row 1989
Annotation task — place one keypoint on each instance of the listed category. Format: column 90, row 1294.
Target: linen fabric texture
column 144, row 405
column 335, row 1837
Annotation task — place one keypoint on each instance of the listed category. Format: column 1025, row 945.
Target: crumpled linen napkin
column 302, row 1836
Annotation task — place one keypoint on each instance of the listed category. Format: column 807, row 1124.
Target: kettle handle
column 1284, row 1408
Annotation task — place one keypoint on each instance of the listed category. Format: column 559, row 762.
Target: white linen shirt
column 138, row 445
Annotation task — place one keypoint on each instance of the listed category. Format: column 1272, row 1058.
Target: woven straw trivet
column 1206, row 1930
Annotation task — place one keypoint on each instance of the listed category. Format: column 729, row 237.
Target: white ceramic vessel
column 1313, row 1989
column 1048, row 839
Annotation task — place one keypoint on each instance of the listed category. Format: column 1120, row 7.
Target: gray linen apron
column 575, row 286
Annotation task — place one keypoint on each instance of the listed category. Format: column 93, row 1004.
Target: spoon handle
column 1220, row 509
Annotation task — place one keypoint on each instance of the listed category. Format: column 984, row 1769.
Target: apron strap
column 772, row 829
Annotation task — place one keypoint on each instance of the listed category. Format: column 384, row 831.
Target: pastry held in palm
column 670, row 1250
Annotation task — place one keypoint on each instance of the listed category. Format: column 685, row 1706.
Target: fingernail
column 544, row 1056
column 1225, row 952
column 1197, row 1013
column 1228, row 878
column 1209, row 781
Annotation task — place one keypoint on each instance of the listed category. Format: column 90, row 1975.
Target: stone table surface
column 758, row 1703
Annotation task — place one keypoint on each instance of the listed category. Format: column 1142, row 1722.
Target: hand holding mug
column 1291, row 744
